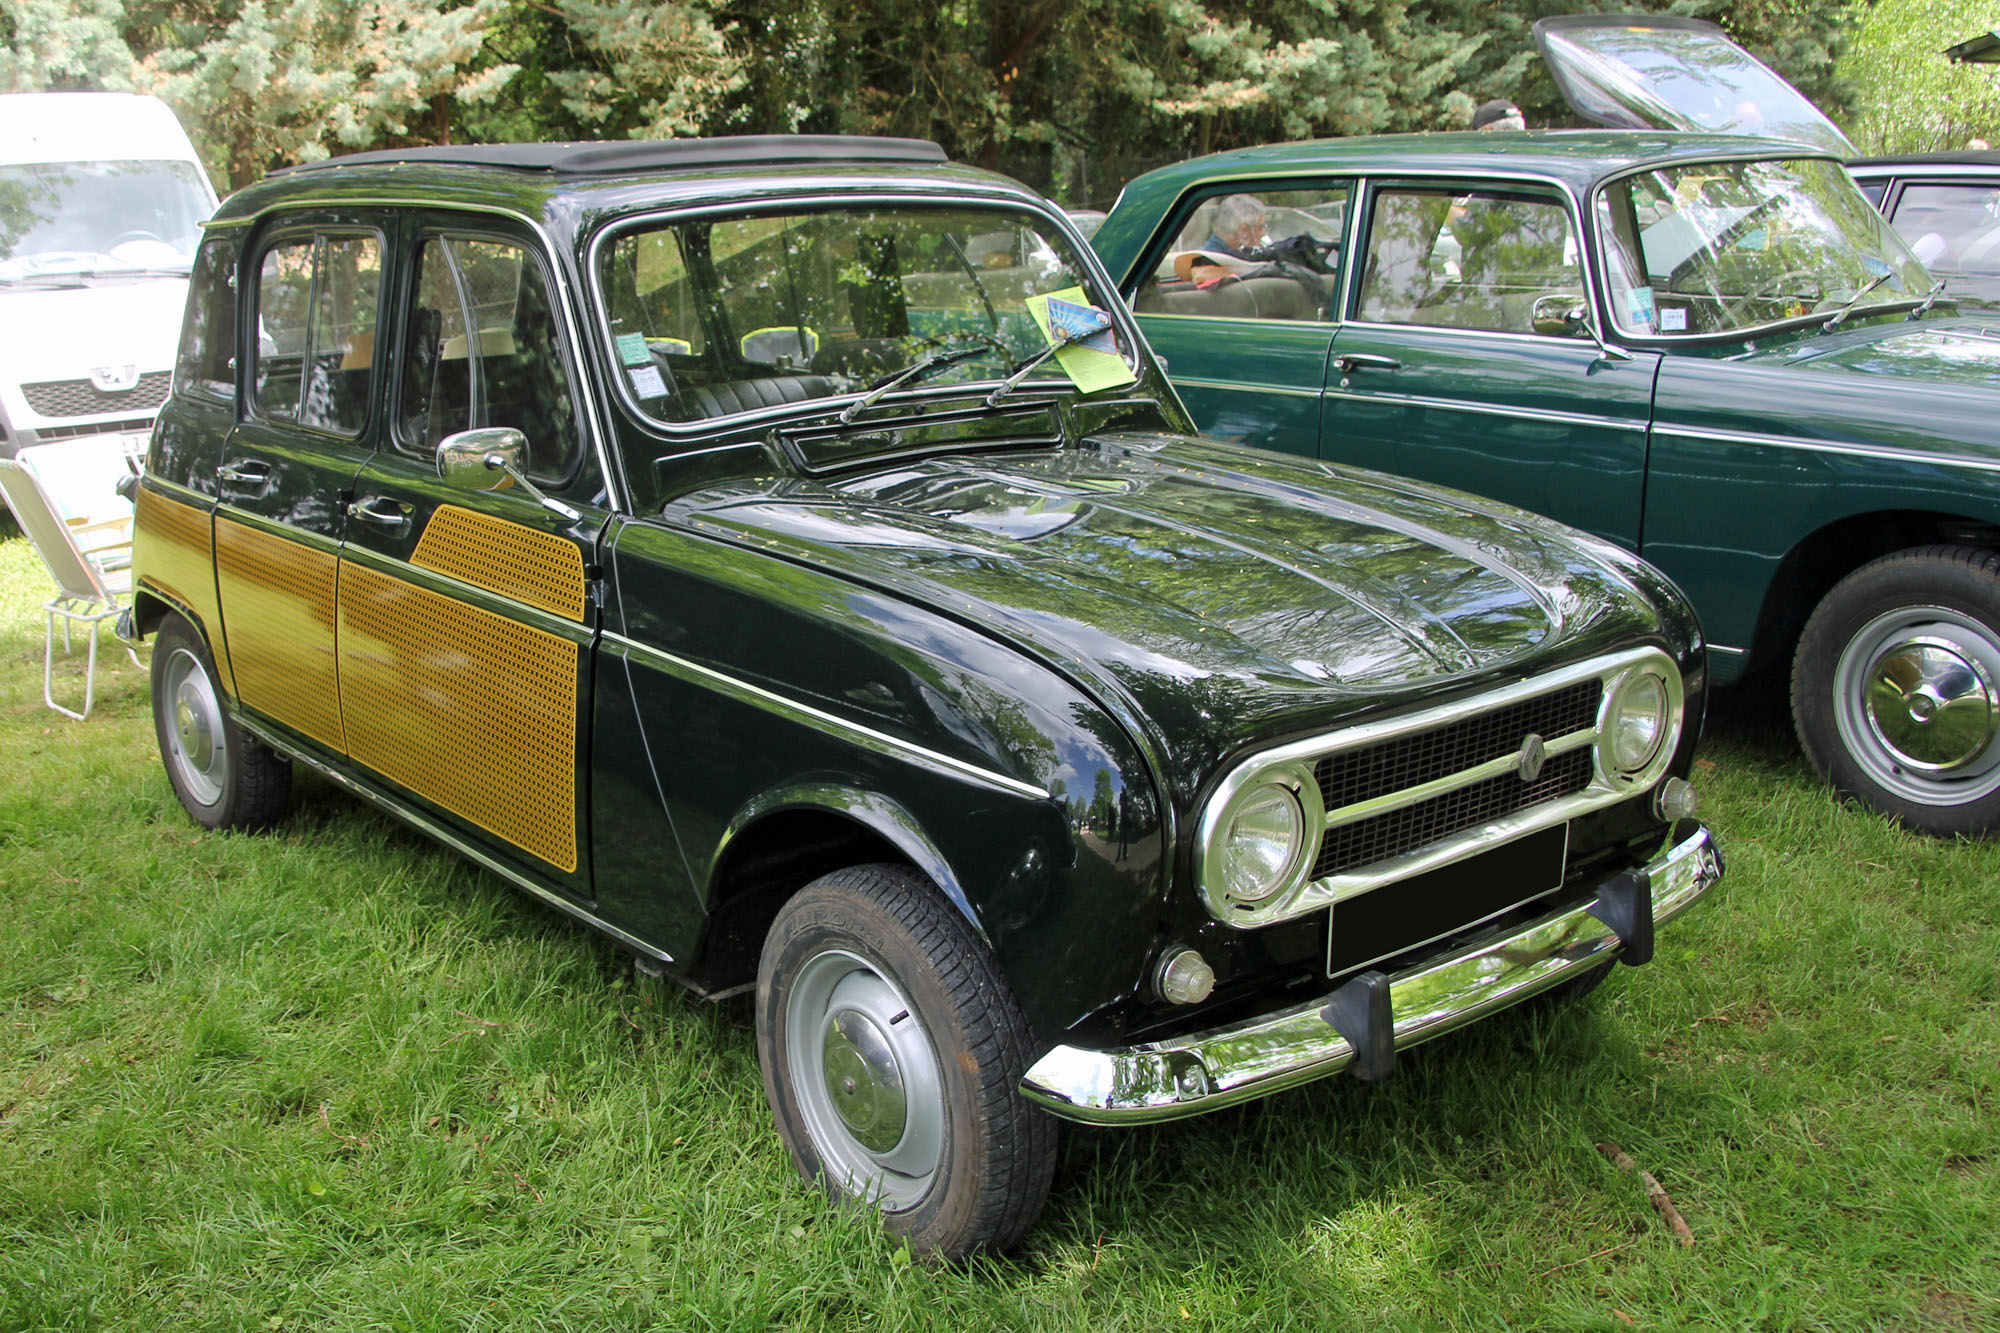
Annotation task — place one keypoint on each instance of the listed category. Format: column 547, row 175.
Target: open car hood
column 1639, row 72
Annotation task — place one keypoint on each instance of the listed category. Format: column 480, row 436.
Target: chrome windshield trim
column 464, row 846
column 1635, row 426
column 1827, row 447
column 880, row 742
column 1206, row 1071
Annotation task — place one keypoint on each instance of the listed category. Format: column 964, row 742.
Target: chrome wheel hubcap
column 867, row 1079
column 194, row 745
column 1917, row 704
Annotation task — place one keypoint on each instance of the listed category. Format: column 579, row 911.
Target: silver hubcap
column 194, row 742
column 867, row 1079
column 1917, row 707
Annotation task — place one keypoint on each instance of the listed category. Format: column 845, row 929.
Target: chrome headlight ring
column 1257, row 841
column 1639, row 726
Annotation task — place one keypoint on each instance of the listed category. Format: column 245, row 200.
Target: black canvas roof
column 615, row 156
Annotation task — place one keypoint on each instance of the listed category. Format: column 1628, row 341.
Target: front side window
column 207, row 361
column 1725, row 247
column 317, row 301
column 1955, row 231
column 483, row 351
column 712, row 317
column 1497, row 260
column 1253, row 254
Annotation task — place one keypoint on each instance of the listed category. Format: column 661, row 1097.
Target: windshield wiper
column 1855, row 300
column 1930, row 299
column 918, row 369
column 1021, row 369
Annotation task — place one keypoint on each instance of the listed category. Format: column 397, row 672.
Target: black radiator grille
column 1403, row 762
column 81, row 398
column 1367, row 841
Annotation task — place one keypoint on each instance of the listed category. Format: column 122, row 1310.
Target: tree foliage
column 1912, row 100
column 1073, row 95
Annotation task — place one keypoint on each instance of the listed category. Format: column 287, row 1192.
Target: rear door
column 1454, row 364
column 466, row 619
column 309, row 421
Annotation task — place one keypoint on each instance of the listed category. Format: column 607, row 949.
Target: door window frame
column 287, row 231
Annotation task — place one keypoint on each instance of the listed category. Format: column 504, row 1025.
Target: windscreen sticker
column 1089, row 367
column 1639, row 305
column 632, row 349
column 646, row 382
column 1673, row 319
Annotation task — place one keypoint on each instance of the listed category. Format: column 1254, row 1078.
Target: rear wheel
column 224, row 778
column 1896, row 688
column 892, row 1050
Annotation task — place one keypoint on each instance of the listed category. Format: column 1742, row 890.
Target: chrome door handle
column 1349, row 362
column 380, row 510
column 246, row 473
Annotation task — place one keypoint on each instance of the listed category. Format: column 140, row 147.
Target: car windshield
column 1725, row 247
column 715, row 316
column 99, row 217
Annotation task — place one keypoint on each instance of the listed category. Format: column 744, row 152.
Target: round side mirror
column 482, row 460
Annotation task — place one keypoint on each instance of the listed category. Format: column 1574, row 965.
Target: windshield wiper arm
column 1853, row 301
column 916, row 370
column 1021, row 369
column 1930, row 299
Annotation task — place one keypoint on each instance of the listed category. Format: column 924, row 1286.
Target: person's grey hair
column 1238, row 210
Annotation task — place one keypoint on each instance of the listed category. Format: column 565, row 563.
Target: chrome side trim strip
column 418, row 576
column 270, row 527
column 1631, row 426
column 1205, row 1071
column 472, row 851
column 1827, row 447
column 880, row 742
column 1235, row 386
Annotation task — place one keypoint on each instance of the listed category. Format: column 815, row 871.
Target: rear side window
column 207, row 362
column 483, row 351
column 317, row 304
column 1262, row 254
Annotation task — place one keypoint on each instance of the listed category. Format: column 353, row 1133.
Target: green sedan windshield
column 1724, row 247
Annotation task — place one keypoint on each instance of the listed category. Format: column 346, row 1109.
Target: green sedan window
column 1253, row 255
column 1480, row 260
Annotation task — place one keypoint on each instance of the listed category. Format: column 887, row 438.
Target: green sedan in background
column 1708, row 349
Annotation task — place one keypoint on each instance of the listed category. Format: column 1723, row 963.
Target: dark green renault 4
column 784, row 556
column 1706, row 348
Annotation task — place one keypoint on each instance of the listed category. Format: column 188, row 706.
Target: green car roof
column 1577, row 159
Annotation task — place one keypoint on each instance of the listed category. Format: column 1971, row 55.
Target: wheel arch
column 150, row 607
column 783, row 842
column 1828, row 554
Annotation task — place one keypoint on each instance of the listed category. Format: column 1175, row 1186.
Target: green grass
column 331, row 1077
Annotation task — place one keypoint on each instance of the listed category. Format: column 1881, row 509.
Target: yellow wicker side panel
column 173, row 553
column 537, row 568
column 470, row 710
column 278, row 618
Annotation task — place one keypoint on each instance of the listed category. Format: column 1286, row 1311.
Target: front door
column 1459, row 363
column 287, row 466
column 466, row 618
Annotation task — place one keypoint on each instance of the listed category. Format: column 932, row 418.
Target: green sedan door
column 1465, row 359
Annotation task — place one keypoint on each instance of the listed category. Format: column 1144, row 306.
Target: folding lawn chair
column 90, row 560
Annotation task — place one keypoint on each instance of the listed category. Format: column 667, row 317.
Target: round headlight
column 1638, row 721
column 1263, row 839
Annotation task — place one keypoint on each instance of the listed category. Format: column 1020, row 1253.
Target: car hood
column 60, row 333
column 1224, row 593
column 1953, row 352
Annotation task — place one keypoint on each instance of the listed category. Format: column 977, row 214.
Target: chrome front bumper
column 1208, row 1070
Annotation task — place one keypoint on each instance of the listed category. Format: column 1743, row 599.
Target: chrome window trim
column 1604, row 789
column 676, row 431
column 465, row 846
column 856, row 733
column 594, row 421
column 1885, row 452
column 1629, row 424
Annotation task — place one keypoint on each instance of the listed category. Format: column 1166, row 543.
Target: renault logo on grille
column 1533, row 755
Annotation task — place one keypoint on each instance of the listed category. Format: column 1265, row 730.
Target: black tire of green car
column 227, row 780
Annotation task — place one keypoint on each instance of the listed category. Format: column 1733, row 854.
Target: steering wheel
column 126, row 237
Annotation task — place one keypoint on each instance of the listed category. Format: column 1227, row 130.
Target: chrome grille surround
column 1447, row 783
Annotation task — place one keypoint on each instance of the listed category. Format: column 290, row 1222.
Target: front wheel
column 1896, row 689
column 892, row 1050
column 224, row 778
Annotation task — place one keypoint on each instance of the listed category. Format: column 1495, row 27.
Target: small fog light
column 1675, row 800
column 1186, row 977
